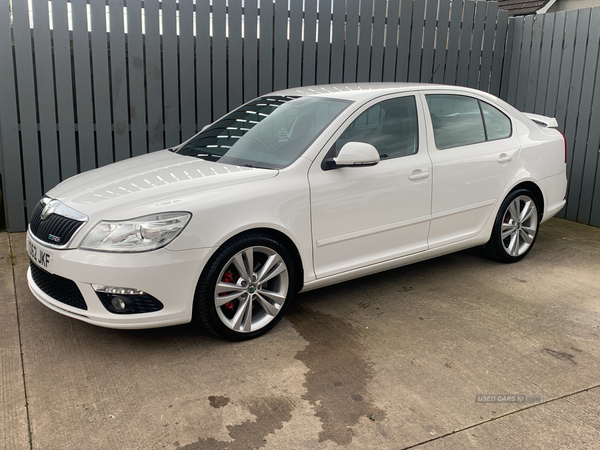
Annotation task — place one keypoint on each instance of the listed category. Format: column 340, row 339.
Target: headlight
column 136, row 235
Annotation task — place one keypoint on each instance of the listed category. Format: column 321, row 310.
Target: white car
column 295, row 190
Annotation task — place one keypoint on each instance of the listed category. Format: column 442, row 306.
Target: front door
column 366, row 215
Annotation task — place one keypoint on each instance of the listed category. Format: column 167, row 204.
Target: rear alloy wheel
column 515, row 228
column 246, row 289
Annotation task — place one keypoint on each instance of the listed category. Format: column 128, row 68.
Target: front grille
column 54, row 225
column 59, row 288
column 137, row 303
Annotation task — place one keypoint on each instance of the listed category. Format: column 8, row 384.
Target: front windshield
column 270, row 132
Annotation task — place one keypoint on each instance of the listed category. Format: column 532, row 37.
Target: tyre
column 515, row 227
column 245, row 288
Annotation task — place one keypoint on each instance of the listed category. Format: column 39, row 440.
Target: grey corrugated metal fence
column 551, row 69
column 74, row 99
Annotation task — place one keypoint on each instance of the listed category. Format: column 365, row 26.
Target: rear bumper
column 555, row 190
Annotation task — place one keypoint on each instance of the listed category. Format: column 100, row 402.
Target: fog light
column 119, row 303
column 124, row 300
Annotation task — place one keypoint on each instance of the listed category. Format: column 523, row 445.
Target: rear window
column 460, row 120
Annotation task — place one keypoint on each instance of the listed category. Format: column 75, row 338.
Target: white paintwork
column 344, row 223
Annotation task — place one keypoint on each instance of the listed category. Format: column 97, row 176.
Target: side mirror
column 357, row 154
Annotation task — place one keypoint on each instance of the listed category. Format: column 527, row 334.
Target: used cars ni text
column 295, row 190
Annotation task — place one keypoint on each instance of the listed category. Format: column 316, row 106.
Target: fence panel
column 364, row 41
column 120, row 94
column 498, row 56
column 429, row 41
column 544, row 73
column 136, row 82
column 453, row 43
column 27, row 106
column 416, row 42
column 10, row 161
column 323, row 41
column 64, row 90
column 250, row 49
column 154, row 94
column 589, row 212
column 377, row 43
column 553, row 71
column 100, row 82
column 310, row 43
column 45, row 94
column 488, row 46
column 534, row 64
column 235, row 52
column 280, row 43
column 337, row 41
column 187, row 86
column 476, row 45
column 441, row 42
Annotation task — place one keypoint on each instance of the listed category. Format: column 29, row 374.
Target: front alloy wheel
column 245, row 288
column 251, row 289
column 515, row 228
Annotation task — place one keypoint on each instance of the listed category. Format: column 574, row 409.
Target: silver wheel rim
column 251, row 289
column 519, row 226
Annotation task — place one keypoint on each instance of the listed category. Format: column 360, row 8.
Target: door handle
column 504, row 158
column 418, row 175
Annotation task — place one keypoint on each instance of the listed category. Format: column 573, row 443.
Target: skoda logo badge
column 48, row 209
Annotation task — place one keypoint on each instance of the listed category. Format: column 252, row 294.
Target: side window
column 497, row 124
column 456, row 120
column 391, row 126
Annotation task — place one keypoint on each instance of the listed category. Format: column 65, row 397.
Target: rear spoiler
column 548, row 122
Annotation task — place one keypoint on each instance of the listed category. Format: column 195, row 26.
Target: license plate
column 40, row 256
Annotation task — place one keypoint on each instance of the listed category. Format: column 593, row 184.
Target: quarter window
column 460, row 120
column 391, row 126
column 497, row 124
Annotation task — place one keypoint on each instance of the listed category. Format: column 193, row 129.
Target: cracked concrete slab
column 390, row 361
column 13, row 411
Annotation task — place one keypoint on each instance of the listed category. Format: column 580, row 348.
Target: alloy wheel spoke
column 513, row 209
column 236, row 322
column 249, row 254
column 273, row 266
column 527, row 211
column 513, row 246
column 240, row 265
column 248, row 315
column 507, row 230
column 228, row 287
column 526, row 236
column 223, row 299
column 274, row 296
column 530, row 231
column 270, row 309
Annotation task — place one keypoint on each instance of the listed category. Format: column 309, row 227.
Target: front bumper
column 169, row 276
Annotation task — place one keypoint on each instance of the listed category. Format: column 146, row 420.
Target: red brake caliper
column 227, row 278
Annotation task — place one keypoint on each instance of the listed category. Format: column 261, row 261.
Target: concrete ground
column 391, row 361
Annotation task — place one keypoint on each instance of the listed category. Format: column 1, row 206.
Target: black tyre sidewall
column 205, row 310
column 495, row 248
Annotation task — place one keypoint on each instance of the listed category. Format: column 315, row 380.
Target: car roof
column 365, row 91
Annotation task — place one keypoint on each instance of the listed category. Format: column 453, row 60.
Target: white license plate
column 40, row 256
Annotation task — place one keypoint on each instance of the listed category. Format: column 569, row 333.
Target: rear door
column 473, row 149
